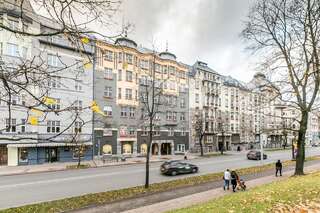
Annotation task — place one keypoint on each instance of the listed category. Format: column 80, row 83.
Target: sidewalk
column 59, row 166
column 198, row 198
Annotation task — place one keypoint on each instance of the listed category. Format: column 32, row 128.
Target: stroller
column 241, row 185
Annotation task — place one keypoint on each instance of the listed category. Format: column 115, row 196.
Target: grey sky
column 206, row 30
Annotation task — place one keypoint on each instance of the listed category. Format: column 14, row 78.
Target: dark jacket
column 233, row 179
column 279, row 165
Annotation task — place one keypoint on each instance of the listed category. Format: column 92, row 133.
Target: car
column 177, row 167
column 255, row 155
column 315, row 145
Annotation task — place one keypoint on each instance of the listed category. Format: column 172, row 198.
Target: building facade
column 33, row 130
column 122, row 74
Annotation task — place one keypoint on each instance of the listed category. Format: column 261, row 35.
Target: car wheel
column 173, row 173
column 194, row 170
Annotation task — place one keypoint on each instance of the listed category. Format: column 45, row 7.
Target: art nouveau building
column 122, row 73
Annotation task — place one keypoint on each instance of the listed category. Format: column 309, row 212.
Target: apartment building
column 29, row 135
column 122, row 74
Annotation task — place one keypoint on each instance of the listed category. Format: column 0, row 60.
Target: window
column 128, row 94
column 143, row 148
column 11, row 125
column 56, row 105
column 131, row 112
column 171, row 131
column 182, row 103
column 12, row 50
column 174, row 116
column 108, row 92
column 197, row 98
column 78, row 85
column 77, row 105
column 24, row 53
column 53, row 126
column 23, row 125
column 165, row 69
column 169, row 116
column 156, row 131
column 107, row 110
column 124, row 112
column 14, row 100
column 197, row 84
column 181, row 147
column 144, row 131
column 157, row 67
column 109, row 55
column 54, row 82
column 108, row 73
column 129, row 76
column 172, row 70
column 119, row 75
column 23, row 155
column 129, row 58
column 78, row 126
column 182, row 116
column 126, row 149
column 1, row 48
column 119, row 93
column 183, row 132
column 144, row 64
column 107, row 149
column 13, row 24
column 120, row 57
column 53, row 60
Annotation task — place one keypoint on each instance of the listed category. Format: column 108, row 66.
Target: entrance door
column 155, row 149
column 3, row 155
column 52, row 155
column 166, row 149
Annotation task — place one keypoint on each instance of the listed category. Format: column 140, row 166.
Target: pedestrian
column 278, row 168
column 185, row 156
column 234, row 177
column 226, row 178
column 238, row 149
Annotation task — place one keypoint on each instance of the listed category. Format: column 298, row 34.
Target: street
column 34, row 188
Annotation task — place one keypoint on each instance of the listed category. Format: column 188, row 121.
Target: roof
column 230, row 81
column 199, row 65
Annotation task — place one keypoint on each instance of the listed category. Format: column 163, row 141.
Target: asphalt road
column 20, row 190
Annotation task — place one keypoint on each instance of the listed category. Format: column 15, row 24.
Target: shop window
column 23, row 155
column 144, row 148
column 107, row 149
column 126, row 149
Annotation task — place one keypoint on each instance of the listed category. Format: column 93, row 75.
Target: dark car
column 177, row 167
column 255, row 155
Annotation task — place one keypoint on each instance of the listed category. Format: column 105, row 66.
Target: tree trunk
column 146, row 185
column 222, row 147
column 301, row 144
column 201, row 146
column 79, row 158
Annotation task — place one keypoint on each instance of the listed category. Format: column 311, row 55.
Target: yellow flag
column 125, row 65
column 48, row 100
column 36, row 112
column 33, row 120
column 85, row 40
column 95, row 108
column 87, row 65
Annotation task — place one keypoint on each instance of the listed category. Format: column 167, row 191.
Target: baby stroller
column 241, row 185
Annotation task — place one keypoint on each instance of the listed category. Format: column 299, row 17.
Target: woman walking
column 234, row 180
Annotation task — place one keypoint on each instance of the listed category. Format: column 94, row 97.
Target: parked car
column 315, row 145
column 177, row 167
column 255, row 155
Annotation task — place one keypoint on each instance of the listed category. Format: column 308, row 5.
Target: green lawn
column 267, row 198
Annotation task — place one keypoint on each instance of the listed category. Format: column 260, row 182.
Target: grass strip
column 299, row 193
column 78, row 202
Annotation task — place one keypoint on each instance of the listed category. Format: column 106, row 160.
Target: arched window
column 127, row 149
column 144, row 148
column 107, row 149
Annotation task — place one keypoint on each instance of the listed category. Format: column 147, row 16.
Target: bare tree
column 31, row 78
column 199, row 127
column 152, row 95
column 288, row 33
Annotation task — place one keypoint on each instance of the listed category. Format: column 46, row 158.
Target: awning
column 47, row 144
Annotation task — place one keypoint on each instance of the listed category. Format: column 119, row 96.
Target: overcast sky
column 206, row 30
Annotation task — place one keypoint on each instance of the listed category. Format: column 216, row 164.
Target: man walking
column 226, row 178
column 278, row 168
